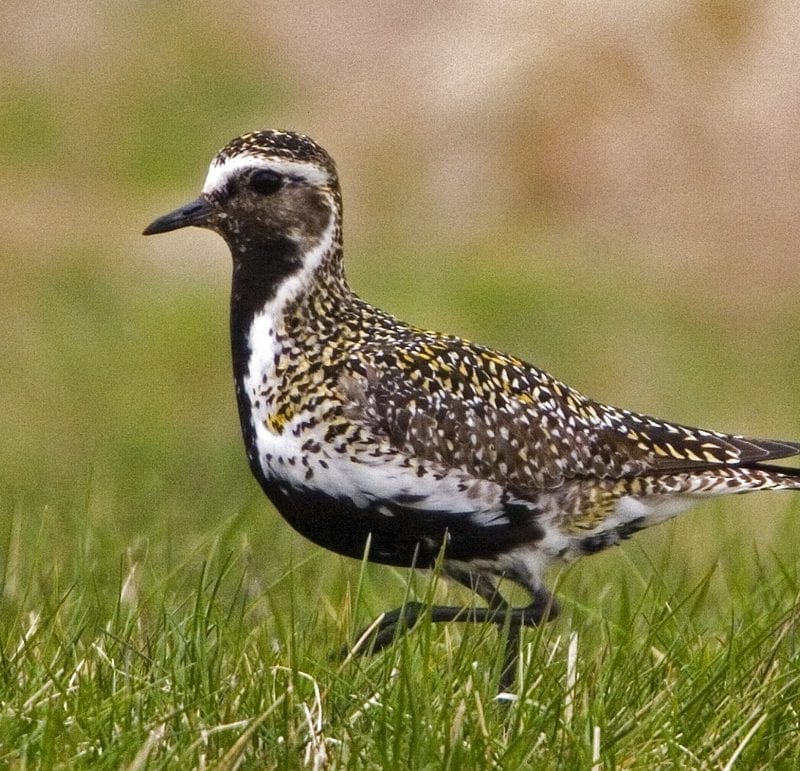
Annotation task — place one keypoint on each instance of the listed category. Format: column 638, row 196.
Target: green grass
column 209, row 664
column 156, row 612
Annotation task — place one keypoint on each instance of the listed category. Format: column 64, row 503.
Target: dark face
column 259, row 204
column 253, row 200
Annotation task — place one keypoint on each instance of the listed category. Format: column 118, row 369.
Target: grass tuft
column 204, row 672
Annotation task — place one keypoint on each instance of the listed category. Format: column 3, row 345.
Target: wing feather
column 467, row 407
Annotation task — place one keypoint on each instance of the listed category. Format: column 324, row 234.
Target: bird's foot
column 387, row 628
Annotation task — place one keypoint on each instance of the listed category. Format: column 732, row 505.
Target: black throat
column 259, row 269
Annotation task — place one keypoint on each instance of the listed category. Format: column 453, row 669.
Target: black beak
column 194, row 213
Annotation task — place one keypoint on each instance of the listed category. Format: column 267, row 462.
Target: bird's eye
column 266, row 181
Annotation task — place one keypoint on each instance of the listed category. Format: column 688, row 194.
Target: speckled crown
column 278, row 144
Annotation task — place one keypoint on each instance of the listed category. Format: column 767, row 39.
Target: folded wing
column 497, row 418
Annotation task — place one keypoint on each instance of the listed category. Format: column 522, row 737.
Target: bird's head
column 265, row 191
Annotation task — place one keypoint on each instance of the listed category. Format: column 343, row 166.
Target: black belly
column 410, row 537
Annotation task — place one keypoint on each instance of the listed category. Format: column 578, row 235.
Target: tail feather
column 787, row 472
column 724, row 480
column 770, row 448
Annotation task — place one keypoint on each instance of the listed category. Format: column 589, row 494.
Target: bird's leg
column 508, row 674
column 387, row 628
column 542, row 608
column 395, row 623
column 486, row 589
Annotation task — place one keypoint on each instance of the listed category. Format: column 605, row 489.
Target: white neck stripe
column 312, row 259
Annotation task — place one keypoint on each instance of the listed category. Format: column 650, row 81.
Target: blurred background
column 608, row 189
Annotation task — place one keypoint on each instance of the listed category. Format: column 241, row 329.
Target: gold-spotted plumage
column 366, row 432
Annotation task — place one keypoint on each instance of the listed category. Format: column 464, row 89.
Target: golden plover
column 367, row 433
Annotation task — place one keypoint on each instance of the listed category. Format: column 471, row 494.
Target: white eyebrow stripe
column 220, row 172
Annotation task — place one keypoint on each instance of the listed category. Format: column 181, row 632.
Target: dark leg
column 479, row 583
column 543, row 608
column 394, row 624
column 486, row 588
column 508, row 674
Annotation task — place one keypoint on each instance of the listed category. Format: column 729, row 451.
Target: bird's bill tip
column 194, row 213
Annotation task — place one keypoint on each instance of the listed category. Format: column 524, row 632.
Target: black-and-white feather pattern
column 365, row 430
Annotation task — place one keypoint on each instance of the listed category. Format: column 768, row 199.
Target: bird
column 373, row 437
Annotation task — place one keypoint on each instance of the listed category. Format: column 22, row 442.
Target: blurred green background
column 605, row 189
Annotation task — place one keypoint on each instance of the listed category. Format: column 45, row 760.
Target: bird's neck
column 282, row 295
column 272, row 274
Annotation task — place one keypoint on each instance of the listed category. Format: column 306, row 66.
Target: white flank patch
column 221, row 171
column 653, row 508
